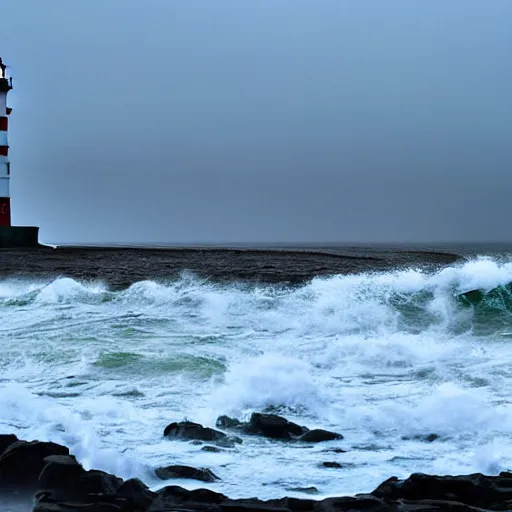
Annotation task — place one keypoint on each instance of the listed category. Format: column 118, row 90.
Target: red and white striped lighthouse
column 10, row 236
column 5, row 171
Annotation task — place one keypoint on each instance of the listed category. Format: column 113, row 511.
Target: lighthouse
column 5, row 166
column 10, row 236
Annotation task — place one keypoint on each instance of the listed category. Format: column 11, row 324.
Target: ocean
column 102, row 348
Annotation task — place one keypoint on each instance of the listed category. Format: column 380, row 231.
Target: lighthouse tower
column 10, row 236
column 5, row 171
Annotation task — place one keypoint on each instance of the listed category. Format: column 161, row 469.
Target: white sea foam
column 269, row 381
column 384, row 358
column 42, row 418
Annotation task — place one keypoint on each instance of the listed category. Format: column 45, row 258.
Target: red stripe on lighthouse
column 4, row 150
column 5, row 211
column 3, row 124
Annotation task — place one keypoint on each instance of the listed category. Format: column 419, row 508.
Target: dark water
column 120, row 267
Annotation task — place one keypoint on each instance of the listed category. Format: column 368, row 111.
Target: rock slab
column 63, row 485
column 179, row 471
column 273, row 426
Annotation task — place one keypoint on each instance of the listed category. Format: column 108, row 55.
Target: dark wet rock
column 266, row 425
column 318, row 435
column 44, row 506
column 252, row 505
column 359, row 502
column 6, row 440
column 187, row 430
column 276, row 427
column 334, row 450
column 65, row 486
column 212, row 449
column 179, row 471
column 136, row 492
column 434, row 506
column 229, row 442
column 63, row 479
column 298, row 504
column 476, row 490
column 305, row 490
column 428, row 438
column 100, row 482
column 192, row 431
column 273, row 426
column 228, row 423
column 61, row 474
column 420, row 493
column 22, row 462
column 116, row 505
column 48, row 501
column 206, row 496
column 331, row 465
column 174, row 498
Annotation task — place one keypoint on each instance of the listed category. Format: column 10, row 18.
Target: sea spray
column 415, row 377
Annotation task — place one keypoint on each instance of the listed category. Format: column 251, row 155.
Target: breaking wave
column 409, row 300
column 411, row 366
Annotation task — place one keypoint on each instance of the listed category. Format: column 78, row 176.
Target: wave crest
column 371, row 304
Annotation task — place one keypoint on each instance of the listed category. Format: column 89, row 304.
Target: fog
column 289, row 121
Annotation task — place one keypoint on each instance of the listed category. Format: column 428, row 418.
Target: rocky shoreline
column 44, row 477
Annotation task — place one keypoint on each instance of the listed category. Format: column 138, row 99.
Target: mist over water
column 235, row 122
column 385, row 358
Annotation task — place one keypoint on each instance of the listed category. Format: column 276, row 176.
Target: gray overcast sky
column 261, row 121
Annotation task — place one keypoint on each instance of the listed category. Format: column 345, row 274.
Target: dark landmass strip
column 45, row 477
column 121, row 267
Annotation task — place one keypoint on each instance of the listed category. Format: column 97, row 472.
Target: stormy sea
column 404, row 351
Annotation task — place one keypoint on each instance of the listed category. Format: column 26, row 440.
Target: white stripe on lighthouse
column 3, row 139
column 4, row 187
column 4, row 170
column 3, row 103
